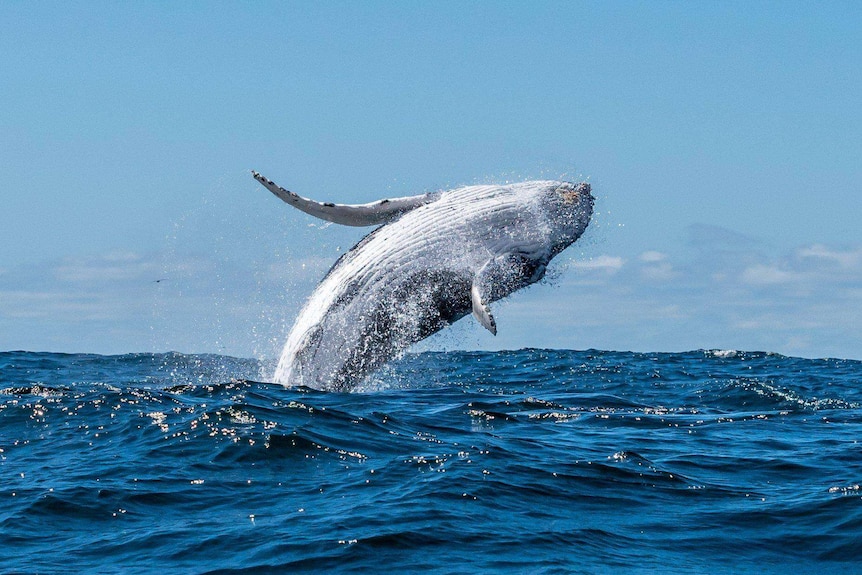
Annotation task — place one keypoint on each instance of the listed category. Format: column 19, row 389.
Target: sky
column 722, row 140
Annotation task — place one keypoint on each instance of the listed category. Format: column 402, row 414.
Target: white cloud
column 655, row 266
column 761, row 274
column 651, row 257
column 661, row 272
column 60, row 307
column 121, row 257
column 602, row 262
column 775, row 322
column 127, row 268
column 845, row 258
column 806, row 301
column 107, row 270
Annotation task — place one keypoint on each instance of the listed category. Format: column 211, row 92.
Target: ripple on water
column 593, row 461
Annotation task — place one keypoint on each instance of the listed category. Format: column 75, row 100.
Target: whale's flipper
column 372, row 214
column 481, row 310
column 501, row 275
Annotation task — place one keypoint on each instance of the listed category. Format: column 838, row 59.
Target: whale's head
column 569, row 207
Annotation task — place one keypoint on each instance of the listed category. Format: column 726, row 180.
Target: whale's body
column 436, row 258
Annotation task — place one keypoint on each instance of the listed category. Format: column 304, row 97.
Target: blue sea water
column 531, row 461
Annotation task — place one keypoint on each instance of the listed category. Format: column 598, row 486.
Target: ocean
column 530, row 461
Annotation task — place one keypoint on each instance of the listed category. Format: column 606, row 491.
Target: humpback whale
column 433, row 259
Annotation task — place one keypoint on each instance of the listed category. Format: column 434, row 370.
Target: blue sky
column 722, row 140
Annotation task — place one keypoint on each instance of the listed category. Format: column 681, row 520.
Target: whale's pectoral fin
column 497, row 278
column 490, row 283
column 481, row 310
column 372, row 214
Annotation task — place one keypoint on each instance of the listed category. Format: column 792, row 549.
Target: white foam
column 723, row 353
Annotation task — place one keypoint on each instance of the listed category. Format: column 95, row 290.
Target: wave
column 183, row 461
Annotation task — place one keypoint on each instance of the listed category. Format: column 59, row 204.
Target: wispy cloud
column 122, row 302
column 728, row 290
column 109, row 268
column 603, row 262
column 652, row 257
column 725, row 290
column 656, row 266
column 714, row 238
column 848, row 259
column 760, row 274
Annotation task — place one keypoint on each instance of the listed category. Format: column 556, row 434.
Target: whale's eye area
column 571, row 194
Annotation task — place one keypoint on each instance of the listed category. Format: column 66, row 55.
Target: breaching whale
column 434, row 258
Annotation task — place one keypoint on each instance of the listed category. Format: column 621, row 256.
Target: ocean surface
column 531, row 461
